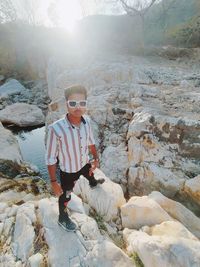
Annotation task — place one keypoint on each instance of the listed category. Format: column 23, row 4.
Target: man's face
column 76, row 105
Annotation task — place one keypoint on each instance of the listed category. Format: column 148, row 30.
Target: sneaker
column 99, row 181
column 67, row 224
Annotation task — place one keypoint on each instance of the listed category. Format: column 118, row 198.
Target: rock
column 171, row 228
column 192, row 188
column 76, row 204
column 24, row 233
column 141, row 211
column 89, row 230
column 105, row 199
column 35, row 260
column 152, row 177
column 9, row 146
column 185, row 83
column 3, row 206
column 8, row 223
column 177, row 211
column 136, row 102
column 115, row 169
column 71, row 248
column 107, row 254
column 2, row 77
column 8, row 260
column 11, row 87
column 21, row 190
column 22, row 114
column 163, row 250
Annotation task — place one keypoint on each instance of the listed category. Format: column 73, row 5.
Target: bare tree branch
column 137, row 7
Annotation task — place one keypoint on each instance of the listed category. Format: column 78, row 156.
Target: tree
column 7, row 11
column 138, row 8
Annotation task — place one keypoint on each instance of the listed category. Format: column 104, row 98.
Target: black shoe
column 99, row 181
column 67, row 224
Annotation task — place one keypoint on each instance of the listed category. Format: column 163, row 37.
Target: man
column 70, row 141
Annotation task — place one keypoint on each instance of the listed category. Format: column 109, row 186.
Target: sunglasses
column 75, row 103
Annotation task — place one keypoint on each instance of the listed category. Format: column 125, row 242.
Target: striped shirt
column 69, row 144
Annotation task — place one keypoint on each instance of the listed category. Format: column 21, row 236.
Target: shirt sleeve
column 91, row 136
column 52, row 147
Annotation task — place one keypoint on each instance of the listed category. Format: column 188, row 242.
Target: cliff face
column 145, row 114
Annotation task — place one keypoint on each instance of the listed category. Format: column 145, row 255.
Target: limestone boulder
column 106, row 199
column 24, row 233
column 11, row 87
column 177, row 211
column 141, row 211
column 163, row 250
column 105, row 253
column 22, row 115
column 84, row 247
column 115, row 169
column 192, row 189
column 150, row 177
column 170, row 228
column 9, row 146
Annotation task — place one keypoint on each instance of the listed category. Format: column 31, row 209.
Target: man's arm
column 95, row 158
column 51, row 160
column 54, row 184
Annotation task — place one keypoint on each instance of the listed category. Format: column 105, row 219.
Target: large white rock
column 170, row 228
column 107, row 254
column 115, row 169
column 64, row 246
column 141, row 211
column 106, row 199
column 192, row 188
column 35, row 260
column 8, row 260
column 9, row 145
column 24, row 233
column 85, row 247
column 163, row 250
column 11, row 87
column 177, row 211
column 22, row 114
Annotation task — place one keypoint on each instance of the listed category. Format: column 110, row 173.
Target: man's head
column 76, row 98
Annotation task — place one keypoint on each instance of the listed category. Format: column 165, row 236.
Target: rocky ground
column 146, row 118
column 23, row 103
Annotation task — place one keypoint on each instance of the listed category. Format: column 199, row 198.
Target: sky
column 66, row 12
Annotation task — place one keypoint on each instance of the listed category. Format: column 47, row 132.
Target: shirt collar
column 70, row 125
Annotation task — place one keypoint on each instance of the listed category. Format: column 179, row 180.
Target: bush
column 187, row 34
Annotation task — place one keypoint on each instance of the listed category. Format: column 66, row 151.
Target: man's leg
column 85, row 171
column 67, row 184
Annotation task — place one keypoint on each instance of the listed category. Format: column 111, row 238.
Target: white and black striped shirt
column 69, row 144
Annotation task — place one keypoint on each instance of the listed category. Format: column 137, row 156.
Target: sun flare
column 68, row 12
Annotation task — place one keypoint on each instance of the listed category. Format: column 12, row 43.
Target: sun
column 69, row 12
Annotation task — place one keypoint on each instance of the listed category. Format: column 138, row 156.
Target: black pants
column 67, row 181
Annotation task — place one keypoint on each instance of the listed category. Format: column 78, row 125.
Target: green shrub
column 187, row 34
column 136, row 259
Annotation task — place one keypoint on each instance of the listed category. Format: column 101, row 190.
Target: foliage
column 136, row 259
column 187, row 34
column 99, row 220
column 166, row 18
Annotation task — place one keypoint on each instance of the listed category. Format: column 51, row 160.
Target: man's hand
column 56, row 188
column 94, row 165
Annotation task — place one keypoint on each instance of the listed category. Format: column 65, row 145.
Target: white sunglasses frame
column 77, row 103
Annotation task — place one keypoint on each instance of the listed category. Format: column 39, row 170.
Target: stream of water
column 31, row 142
